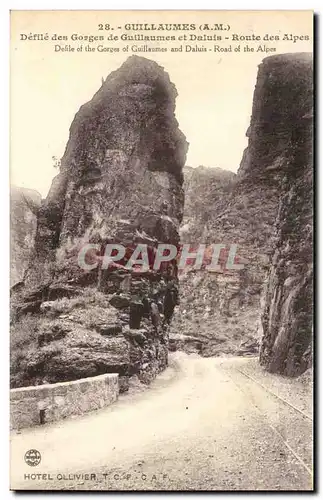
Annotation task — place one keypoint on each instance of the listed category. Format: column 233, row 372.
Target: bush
column 24, row 333
column 23, row 336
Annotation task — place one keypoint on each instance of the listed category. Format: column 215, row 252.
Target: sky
column 215, row 90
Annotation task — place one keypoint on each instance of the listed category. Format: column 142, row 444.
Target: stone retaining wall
column 31, row 406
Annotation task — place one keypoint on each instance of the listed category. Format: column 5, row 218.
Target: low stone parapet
column 38, row 405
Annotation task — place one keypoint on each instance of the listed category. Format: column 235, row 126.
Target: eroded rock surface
column 284, row 91
column 120, row 181
column 24, row 204
column 230, row 312
column 219, row 312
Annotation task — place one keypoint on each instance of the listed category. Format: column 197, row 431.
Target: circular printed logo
column 32, row 458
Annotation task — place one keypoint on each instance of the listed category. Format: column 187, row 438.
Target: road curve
column 201, row 425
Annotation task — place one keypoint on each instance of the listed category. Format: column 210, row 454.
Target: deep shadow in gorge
column 121, row 182
column 266, row 209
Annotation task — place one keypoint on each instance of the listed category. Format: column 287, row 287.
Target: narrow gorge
column 122, row 180
column 266, row 210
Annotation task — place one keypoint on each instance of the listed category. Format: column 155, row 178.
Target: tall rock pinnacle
column 280, row 150
column 120, row 181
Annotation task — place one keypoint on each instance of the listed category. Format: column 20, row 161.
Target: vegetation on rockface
column 72, row 338
column 288, row 309
column 105, row 321
column 120, row 181
column 24, row 204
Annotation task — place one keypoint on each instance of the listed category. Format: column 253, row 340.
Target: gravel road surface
column 203, row 424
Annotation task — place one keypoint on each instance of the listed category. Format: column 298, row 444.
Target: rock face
column 120, row 181
column 281, row 138
column 24, row 204
column 219, row 312
column 266, row 210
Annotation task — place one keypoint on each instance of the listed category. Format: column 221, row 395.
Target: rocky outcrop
column 270, row 298
column 281, row 139
column 24, row 204
column 219, row 312
column 120, row 182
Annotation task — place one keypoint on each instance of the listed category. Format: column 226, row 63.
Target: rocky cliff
column 219, row 312
column 281, row 139
column 266, row 210
column 120, row 181
column 24, row 204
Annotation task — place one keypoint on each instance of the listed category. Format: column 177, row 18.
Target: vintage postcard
column 161, row 250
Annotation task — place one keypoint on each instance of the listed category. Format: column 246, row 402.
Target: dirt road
column 204, row 424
